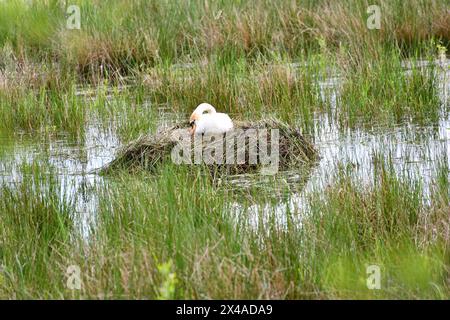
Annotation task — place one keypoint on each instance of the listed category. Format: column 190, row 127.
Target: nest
column 278, row 147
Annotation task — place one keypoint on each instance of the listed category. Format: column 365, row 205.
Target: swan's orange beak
column 192, row 121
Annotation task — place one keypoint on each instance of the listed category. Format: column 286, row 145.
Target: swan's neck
column 205, row 107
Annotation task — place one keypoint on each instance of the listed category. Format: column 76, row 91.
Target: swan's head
column 195, row 116
column 192, row 122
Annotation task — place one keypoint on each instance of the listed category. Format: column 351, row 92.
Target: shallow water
column 416, row 151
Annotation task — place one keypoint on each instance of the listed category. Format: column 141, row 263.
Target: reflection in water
column 414, row 150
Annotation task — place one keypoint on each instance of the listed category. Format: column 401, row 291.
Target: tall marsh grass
column 35, row 231
column 173, row 235
column 123, row 35
column 242, row 58
column 381, row 90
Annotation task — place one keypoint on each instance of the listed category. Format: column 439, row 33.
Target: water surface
column 415, row 150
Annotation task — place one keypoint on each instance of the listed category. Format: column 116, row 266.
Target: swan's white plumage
column 210, row 122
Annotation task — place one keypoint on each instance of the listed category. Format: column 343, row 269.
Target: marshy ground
column 373, row 101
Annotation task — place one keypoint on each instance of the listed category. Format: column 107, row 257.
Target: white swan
column 211, row 122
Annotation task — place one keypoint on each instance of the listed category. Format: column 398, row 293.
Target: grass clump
column 44, row 110
column 35, row 231
column 352, row 228
column 243, row 89
column 381, row 90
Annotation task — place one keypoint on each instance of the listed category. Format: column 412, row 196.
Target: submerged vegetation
column 175, row 233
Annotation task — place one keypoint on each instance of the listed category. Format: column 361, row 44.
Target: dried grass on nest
column 149, row 151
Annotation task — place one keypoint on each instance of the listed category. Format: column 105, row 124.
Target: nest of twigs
column 287, row 147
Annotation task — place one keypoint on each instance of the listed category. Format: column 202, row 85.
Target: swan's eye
column 192, row 123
